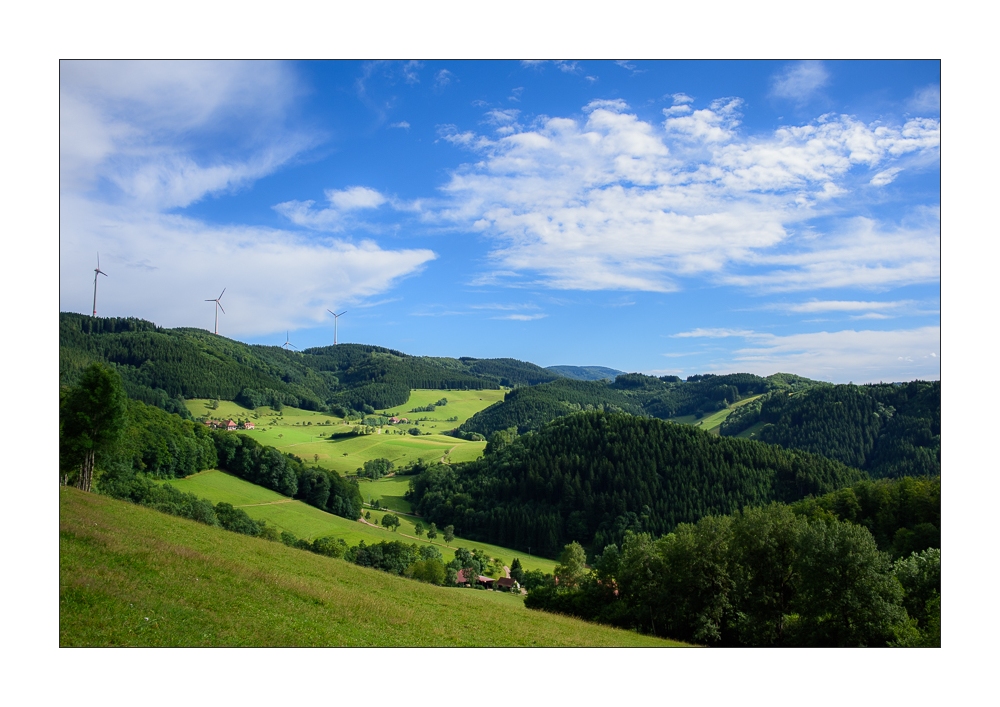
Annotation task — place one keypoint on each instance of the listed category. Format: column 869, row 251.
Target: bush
column 235, row 519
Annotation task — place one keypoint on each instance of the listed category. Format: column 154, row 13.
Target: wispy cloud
column 140, row 141
column 886, row 176
column 713, row 333
column 503, row 307
column 411, row 71
column 799, row 82
column 926, row 101
column 442, row 78
column 401, row 124
column 844, row 306
column 861, row 356
column 521, row 317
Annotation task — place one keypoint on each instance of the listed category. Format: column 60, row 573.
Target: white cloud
column 800, row 81
column 840, row 356
column 521, row 317
column 845, row 306
column 355, row 198
column 140, row 140
column 886, row 176
column 615, row 202
column 401, row 124
column 274, row 279
column 713, row 333
column 860, row 254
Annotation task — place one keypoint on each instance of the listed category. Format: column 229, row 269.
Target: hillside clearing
column 309, row 522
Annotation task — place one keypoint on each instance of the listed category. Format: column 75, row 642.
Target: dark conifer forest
column 592, row 476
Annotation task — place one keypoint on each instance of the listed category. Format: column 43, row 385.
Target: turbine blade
column 223, row 292
column 220, row 306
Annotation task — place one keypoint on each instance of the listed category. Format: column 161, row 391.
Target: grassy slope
column 308, row 522
column 130, row 576
column 711, row 423
column 319, row 442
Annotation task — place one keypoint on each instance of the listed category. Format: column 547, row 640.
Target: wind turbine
column 336, row 320
column 218, row 306
column 288, row 343
column 97, row 271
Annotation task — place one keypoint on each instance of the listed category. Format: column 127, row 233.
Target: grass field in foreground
column 711, row 423
column 324, row 440
column 308, row 522
column 131, row 576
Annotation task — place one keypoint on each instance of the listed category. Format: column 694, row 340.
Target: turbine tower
column 288, row 343
column 218, row 306
column 97, row 271
column 336, row 320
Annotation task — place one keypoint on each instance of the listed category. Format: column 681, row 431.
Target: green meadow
column 711, row 423
column 131, row 576
column 326, row 440
column 309, row 522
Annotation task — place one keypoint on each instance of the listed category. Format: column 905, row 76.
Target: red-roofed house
column 229, row 425
column 508, row 584
column 248, row 425
column 485, row 581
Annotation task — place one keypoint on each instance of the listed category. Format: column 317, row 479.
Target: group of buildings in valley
column 229, row 425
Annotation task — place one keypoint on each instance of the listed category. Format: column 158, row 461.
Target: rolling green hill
column 307, row 522
column 667, row 397
column 889, row 430
column 130, row 576
column 160, row 366
column 585, row 373
column 592, row 476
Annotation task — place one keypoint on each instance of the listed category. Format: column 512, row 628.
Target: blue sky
column 664, row 217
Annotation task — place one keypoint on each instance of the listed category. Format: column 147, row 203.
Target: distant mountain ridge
column 585, row 373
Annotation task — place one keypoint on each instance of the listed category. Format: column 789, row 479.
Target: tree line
column 776, row 575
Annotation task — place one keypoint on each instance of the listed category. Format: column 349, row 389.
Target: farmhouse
column 229, row 425
column 248, row 425
column 508, row 584
column 485, row 581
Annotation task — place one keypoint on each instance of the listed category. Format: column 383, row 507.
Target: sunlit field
column 309, row 522
column 326, row 440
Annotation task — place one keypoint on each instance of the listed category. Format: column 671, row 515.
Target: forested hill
column 159, row 366
column 591, row 476
column 889, row 430
column 585, row 373
column 664, row 397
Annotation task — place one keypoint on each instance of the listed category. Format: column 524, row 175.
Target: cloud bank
column 140, row 140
